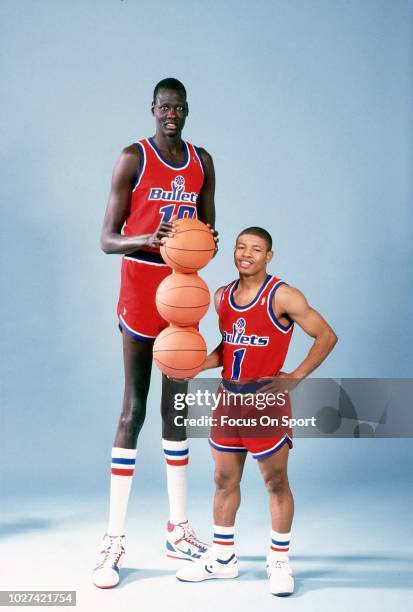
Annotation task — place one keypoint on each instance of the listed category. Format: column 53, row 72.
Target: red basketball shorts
column 240, row 427
column 137, row 312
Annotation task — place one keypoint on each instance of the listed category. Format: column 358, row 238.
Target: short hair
column 169, row 83
column 258, row 231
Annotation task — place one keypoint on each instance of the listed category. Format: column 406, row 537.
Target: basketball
column 179, row 352
column 182, row 299
column 190, row 248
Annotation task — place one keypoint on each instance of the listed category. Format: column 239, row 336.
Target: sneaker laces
column 189, row 535
column 108, row 552
column 278, row 565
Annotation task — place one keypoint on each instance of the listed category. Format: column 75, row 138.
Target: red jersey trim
column 163, row 160
column 285, row 329
column 260, row 291
column 142, row 165
column 199, row 157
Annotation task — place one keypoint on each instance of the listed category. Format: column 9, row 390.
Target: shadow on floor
column 340, row 571
column 132, row 574
column 24, row 525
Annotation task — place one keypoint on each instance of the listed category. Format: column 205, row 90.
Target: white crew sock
column 223, row 542
column 279, row 547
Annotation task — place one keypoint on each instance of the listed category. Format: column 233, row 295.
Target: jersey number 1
column 237, row 362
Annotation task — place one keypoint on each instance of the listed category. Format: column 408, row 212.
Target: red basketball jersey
column 163, row 189
column 255, row 343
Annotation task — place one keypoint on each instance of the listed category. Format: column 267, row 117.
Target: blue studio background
column 306, row 108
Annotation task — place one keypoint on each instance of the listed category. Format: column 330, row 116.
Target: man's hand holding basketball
column 165, row 230
column 215, row 235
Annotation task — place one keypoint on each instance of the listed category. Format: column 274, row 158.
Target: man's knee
column 276, row 481
column 133, row 413
column 226, row 481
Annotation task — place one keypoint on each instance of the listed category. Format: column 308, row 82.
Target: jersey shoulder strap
column 225, row 292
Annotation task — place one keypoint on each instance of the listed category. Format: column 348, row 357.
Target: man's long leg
column 137, row 359
column 137, row 366
column 181, row 541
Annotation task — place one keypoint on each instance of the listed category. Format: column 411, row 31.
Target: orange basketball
column 179, row 352
column 190, row 248
column 182, row 299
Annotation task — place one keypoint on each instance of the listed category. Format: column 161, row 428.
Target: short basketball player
column 257, row 314
column 155, row 181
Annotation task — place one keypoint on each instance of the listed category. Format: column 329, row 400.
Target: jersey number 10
column 184, row 212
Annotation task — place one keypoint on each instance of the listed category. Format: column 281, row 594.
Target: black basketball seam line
column 167, row 246
column 192, row 229
column 181, row 369
column 189, row 331
column 184, row 287
column 160, row 350
column 170, row 306
column 182, row 266
column 179, row 350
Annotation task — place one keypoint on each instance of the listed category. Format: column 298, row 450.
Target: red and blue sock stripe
column 176, row 457
column 223, row 539
column 280, row 545
column 122, row 466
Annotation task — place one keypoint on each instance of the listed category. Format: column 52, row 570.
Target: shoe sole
column 209, row 578
column 181, row 558
column 109, row 586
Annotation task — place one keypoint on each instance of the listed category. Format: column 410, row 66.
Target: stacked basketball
column 183, row 299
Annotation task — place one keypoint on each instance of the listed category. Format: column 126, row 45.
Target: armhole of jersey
column 199, row 156
column 284, row 328
column 142, row 164
column 225, row 289
column 221, row 299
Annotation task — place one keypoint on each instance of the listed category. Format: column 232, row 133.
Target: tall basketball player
column 154, row 181
column 257, row 313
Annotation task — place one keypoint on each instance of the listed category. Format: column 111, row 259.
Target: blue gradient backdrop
column 306, row 108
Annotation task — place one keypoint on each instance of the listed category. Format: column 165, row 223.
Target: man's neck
column 172, row 144
column 249, row 283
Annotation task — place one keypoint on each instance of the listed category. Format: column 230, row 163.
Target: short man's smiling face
column 251, row 254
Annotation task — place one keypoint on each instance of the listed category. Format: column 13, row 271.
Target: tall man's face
column 251, row 254
column 170, row 110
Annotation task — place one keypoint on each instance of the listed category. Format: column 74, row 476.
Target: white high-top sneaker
column 111, row 556
column 182, row 542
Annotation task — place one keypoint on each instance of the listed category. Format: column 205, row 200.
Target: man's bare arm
column 123, row 179
column 206, row 199
column 292, row 302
